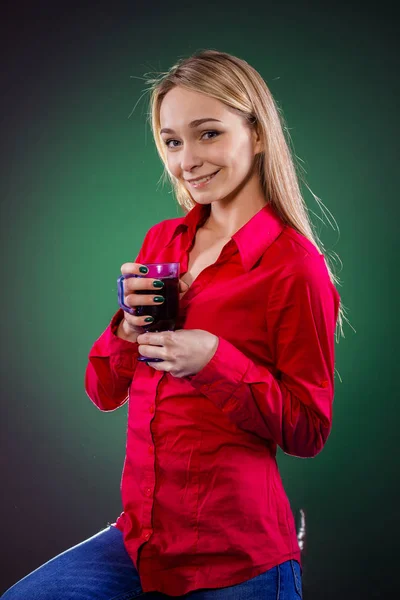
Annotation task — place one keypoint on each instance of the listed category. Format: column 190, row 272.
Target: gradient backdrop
column 80, row 188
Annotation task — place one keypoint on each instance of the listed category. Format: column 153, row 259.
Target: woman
column 249, row 367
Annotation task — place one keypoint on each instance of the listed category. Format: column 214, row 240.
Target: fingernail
column 158, row 284
column 149, row 319
column 143, row 269
column 158, row 299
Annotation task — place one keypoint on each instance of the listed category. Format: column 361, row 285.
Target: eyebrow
column 195, row 123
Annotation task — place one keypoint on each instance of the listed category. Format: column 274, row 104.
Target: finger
column 154, row 338
column 137, row 321
column 144, row 300
column 164, row 366
column 132, row 268
column 132, row 284
column 151, row 351
column 159, row 366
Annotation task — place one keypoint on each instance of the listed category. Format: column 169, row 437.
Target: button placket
column 149, row 482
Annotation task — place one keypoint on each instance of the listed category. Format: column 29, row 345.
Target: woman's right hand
column 131, row 326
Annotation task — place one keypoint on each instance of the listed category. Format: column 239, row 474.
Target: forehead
column 180, row 106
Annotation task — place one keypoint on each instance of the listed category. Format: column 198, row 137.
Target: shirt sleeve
column 112, row 361
column 293, row 408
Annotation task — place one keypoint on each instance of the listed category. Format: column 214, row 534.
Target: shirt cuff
column 222, row 375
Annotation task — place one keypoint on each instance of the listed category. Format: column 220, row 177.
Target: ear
column 258, row 145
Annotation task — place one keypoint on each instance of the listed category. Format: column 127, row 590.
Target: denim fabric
column 100, row 568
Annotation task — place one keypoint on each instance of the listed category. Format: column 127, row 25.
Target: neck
column 230, row 214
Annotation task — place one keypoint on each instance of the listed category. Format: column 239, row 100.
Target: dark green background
column 80, row 188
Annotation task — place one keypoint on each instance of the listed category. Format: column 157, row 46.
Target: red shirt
column 203, row 501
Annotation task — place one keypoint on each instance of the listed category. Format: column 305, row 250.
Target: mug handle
column 120, row 284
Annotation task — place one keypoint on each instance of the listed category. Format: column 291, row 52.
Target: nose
column 189, row 159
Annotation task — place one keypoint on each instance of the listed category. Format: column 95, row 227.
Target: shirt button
column 151, row 409
column 147, row 535
column 324, row 383
column 150, row 450
column 148, row 491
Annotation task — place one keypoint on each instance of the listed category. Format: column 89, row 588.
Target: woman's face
column 226, row 145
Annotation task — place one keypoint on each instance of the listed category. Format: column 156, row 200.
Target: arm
column 112, row 363
column 294, row 408
column 113, row 359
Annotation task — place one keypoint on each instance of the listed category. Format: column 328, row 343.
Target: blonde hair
column 238, row 85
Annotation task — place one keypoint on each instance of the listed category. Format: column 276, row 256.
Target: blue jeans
column 100, row 568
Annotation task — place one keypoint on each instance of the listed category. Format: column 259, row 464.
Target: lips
column 204, row 176
column 203, row 180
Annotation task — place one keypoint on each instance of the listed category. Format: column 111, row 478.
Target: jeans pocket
column 297, row 577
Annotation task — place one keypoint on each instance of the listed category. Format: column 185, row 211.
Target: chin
column 203, row 200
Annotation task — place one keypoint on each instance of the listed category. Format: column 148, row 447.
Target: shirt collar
column 252, row 239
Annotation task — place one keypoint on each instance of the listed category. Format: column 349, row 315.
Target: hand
column 184, row 352
column 132, row 325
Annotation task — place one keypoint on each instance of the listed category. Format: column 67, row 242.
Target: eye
column 205, row 132
column 167, row 143
column 216, row 132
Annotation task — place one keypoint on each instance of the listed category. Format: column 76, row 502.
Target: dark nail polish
column 158, row 284
column 143, row 269
column 149, row 319
column 158, row 298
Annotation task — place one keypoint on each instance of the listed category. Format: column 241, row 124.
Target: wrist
column 125, row 332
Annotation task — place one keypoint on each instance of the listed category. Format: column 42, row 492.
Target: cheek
column 172, row 165
column 235, row 154
column 242, row 157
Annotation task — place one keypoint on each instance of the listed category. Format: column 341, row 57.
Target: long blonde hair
column 238, row 85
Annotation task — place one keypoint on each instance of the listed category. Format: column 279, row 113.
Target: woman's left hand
column 184, row 352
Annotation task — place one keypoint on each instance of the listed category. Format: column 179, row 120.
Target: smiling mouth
column 203, row 180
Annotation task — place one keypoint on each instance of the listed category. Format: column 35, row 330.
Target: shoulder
column 156, row 238
column 165, row 227
column 300, row 276
column 297, row 245
column 298, row 259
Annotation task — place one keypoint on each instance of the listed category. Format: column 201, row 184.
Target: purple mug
column 165, row 314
